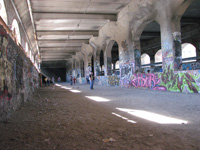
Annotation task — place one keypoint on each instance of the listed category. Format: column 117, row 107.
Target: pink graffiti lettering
column 145, row 80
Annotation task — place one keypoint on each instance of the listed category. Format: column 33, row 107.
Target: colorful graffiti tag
column 126, row 70
column 150, row 81
column 180, row 81
column 113, row 81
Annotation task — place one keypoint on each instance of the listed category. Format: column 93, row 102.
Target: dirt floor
column 58, row 119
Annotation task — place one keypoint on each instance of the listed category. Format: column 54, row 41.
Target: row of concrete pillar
column 126, row 31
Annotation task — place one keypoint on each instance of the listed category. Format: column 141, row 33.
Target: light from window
column 145, row 59
column 3, row 13
column 158, row 56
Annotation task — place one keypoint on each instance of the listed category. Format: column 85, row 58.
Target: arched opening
column 114, row 58
column 3, row 11
column 145, row 59
column 15, row 29
column 190, row 35
column 117, row 65
column 92, row 64
column 101, row 63
column 158, row 56
column 82, row 69
column 188, row 51
column 150, row 41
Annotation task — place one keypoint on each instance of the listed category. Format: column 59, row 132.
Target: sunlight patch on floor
column 64, row 87
column 153, row 116
column 131, row 121
column 75, row 91
column 98, row 99
column 57, row 84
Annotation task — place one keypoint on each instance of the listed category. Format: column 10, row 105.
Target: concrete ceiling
column 63, row 26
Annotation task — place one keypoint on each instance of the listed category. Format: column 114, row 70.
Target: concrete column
column 105, row 64
column 177, row 50
column 88, row 66
column 79, row 68
column 137, row 55
column 97, row 65
column 167, row 43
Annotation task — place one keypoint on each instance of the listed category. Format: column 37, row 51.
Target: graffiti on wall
column 113, row 81
column 150, row 81
column 180, row 81
column 126, row 70
column 101, row 80
column 18, row 76
column 5, row 69
column 137, row 59
column 97, row 68
column 191, row 66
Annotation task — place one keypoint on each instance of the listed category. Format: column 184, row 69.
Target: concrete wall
column 18, row 76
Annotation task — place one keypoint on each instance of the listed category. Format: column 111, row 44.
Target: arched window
column 117, row 65
column 26, row 48
column 188, row 50
column 15, row 29
column 145, row 59
column 3, row 13
column 158, row 56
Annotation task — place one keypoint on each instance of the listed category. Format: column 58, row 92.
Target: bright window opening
column 158, row 56
column 3, row 13
column 15, row 29
column 188, row 50
column 145, row 59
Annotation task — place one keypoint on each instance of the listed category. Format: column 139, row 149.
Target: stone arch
column 3, row 12
column 15, row 29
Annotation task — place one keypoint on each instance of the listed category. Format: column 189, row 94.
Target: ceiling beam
column 65, row 16
column 72, row 32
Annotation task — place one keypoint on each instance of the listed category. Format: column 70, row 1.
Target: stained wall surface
column 18, row 76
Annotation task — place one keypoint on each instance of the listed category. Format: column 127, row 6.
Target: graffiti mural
column 126, row 70
column 113, row 81
column 180, row 81
column 18, row 76
column 150, row 81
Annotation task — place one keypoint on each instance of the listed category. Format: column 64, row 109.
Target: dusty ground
column 58, row 119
